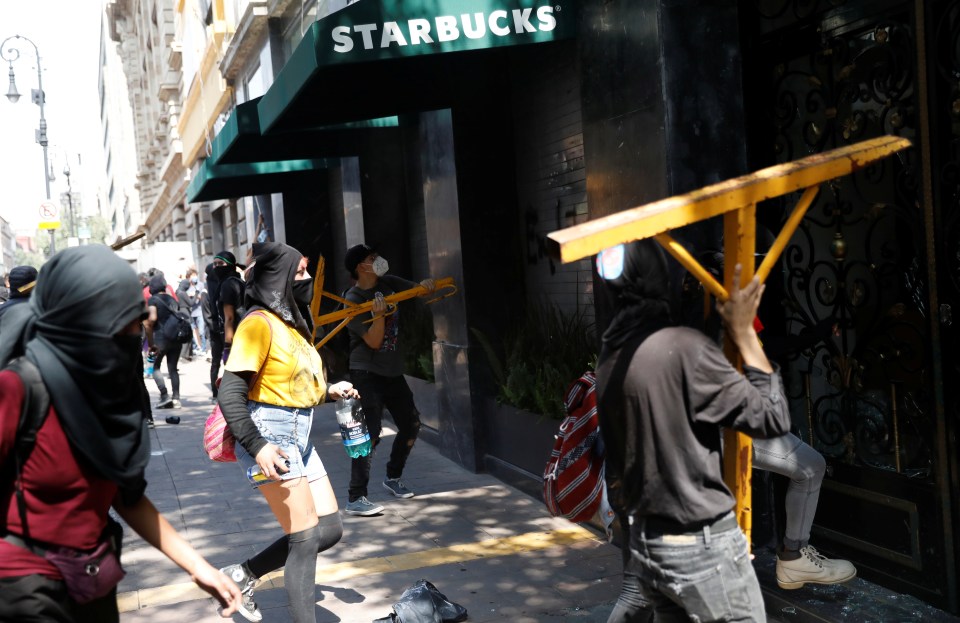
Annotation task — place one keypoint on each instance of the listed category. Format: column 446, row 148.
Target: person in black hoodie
column 227, row 307
column 81, row 332
column 160, row 307
column 664, row 394
column 21, row 280
column 186, row 302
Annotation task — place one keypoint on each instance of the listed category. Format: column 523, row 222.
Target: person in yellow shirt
column 272, row 383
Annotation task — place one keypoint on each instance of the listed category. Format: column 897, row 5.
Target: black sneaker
column 165, row 403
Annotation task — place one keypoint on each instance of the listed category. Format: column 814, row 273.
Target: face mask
column 193, row 280
column 130, row 347
column 222, row 272
column 380, row 266
column 303, row 291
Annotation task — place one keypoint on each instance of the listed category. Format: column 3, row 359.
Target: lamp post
column 73, row 222
column 11, row 54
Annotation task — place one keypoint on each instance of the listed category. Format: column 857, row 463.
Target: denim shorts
column 289, row 429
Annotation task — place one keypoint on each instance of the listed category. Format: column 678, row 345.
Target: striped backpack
column 573, row 484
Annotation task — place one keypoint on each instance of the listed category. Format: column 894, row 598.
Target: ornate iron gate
column 871, row 278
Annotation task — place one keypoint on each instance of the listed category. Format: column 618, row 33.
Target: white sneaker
column 248, row 607
column 814, row 568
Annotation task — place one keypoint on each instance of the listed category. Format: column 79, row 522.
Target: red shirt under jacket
column 67, row 502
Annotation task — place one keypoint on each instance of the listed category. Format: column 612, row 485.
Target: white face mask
column 380, row 266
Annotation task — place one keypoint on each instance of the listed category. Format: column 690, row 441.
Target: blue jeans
column 199, row 329
column 789, row 456
column 287, row 428
column 700, row 576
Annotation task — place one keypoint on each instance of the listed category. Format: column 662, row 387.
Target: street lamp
column 73, row 224
column 10, row 55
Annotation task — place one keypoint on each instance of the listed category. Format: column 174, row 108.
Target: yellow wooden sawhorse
column 444, row 288
column 736, row 200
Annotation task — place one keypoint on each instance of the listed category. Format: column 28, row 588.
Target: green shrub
column 539, row 358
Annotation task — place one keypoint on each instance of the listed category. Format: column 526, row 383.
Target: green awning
column 226, row 181
column 378, row 50
column 240, row 139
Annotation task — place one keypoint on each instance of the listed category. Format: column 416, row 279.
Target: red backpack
column 573, row 484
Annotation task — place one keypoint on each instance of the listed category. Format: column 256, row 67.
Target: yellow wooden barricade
column 736, row 200
column 443, row 288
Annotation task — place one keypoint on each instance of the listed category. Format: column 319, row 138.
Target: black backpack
column 36, row 405
column 177, row 328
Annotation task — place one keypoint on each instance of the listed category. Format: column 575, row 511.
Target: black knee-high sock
column 299, row 576
column 274, row 555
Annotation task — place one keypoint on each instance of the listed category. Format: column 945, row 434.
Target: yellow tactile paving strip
column 490, row 548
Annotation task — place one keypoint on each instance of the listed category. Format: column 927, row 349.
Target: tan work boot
column 813, row 567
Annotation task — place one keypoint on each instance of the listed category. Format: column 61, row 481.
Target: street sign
column 49, row 215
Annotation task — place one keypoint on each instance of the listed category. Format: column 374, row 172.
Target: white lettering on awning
column 419, row 31
column 392, row 34
column 495, row 27
column 521, row 21
column 476, row 29
column 445, row 28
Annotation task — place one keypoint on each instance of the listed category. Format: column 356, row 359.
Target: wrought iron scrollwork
column 855, row 281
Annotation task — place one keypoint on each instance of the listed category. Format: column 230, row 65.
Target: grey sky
column 67, row 33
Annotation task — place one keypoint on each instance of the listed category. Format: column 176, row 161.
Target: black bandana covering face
column 637, row 282
column 271, row 285
column 303, row 294
column 73, row 330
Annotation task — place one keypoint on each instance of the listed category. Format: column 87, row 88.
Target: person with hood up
column 272, row 383
column 160, row 307
column 664, row 394
column 227, row 309
column 81, row 332
column 21, row 280
column 214, row 339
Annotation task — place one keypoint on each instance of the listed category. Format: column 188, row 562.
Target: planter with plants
column 416, row 336
column 531, row 369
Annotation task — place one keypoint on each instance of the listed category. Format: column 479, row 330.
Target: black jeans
column 216, row 354
column 377, row 392
column 172, row 354
column 36, row 598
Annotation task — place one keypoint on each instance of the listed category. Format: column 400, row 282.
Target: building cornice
column 246, row 42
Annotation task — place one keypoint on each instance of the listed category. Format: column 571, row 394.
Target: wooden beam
column 739, row 247
column 586, row 239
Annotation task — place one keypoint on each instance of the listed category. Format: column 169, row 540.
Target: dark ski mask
column 303, row 292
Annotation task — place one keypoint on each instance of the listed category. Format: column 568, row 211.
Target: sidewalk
column 486, row 545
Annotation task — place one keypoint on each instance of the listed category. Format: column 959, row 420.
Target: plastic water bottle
column 151, row 359
column 353, row 427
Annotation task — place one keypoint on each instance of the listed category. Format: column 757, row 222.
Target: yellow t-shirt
column 290, row 370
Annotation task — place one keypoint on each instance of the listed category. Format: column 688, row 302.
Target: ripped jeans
column 376, row 393
column 701, row 576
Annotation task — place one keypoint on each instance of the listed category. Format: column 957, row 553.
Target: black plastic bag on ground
column 423, row 603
